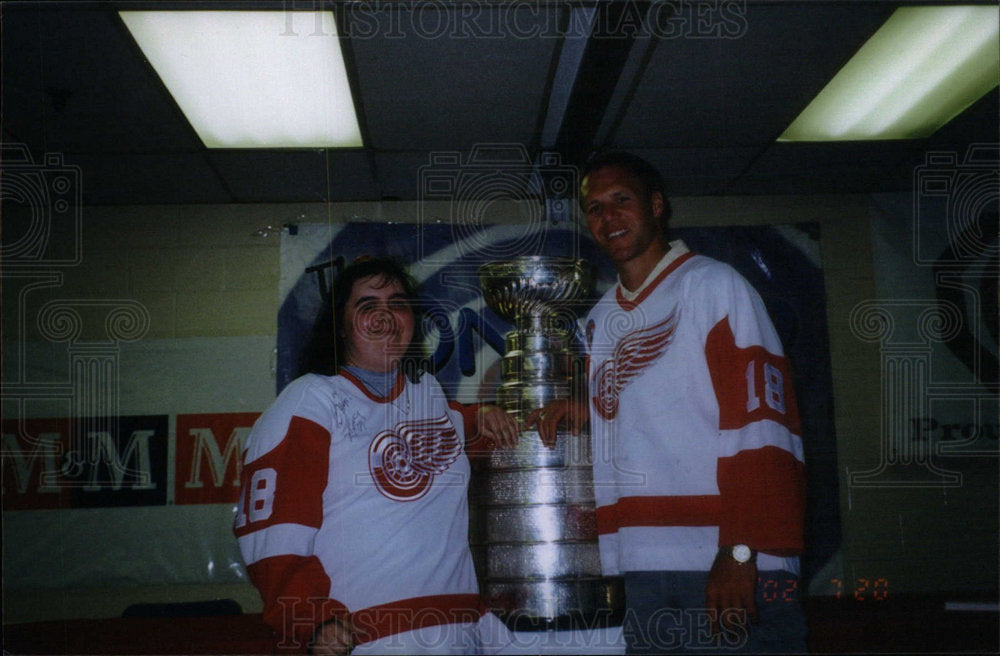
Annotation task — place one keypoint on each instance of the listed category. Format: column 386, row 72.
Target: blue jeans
column 665, row 613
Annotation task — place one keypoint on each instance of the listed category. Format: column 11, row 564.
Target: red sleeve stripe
column 377, row 622
column 751, row 384
column 763, row 492
column 695, row 510
column 468, row 412
column 286, row 484
column 296, row 595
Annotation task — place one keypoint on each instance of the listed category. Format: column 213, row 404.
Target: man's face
column 621, row 215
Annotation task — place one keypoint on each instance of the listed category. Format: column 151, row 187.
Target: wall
column 207, row 277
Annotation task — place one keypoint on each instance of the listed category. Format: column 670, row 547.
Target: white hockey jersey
column 357, row 504
column 694, row 421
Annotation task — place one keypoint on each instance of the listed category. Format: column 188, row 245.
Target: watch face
column 741, row 553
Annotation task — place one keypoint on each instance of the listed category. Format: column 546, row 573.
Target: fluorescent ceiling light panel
column 253, row 79
column 921, row 69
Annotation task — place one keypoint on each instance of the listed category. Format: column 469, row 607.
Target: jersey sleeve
column 760, row 471
column 280, row 511
column 465, row 415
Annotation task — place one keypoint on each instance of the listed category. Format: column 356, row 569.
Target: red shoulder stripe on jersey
column 383, row 620
column 751, row 384
column 285, row 485
column 468, row 412
column 763, row 493
column 397, row 387
column 476, row 448
column 694, row 510
column 670, row 268
column 296, row 595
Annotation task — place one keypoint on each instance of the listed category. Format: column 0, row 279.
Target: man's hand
column 548, row 418
column 497, row 426
column 333, row 638
column 731, row 585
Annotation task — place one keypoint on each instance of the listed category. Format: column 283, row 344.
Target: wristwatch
column 741, row 553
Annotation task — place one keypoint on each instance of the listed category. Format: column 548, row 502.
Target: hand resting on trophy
column 546, row 420
column 497, row 426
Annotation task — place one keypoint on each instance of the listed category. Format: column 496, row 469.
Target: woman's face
column 378, row 323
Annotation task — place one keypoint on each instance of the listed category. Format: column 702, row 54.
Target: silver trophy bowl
column 534, row 530
column 541, row 297
column 534, row 286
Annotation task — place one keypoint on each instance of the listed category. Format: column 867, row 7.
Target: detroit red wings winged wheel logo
column 633, row 353
column 404, row 460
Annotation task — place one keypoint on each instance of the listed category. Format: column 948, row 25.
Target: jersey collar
column 673, row 258
column 396, row 390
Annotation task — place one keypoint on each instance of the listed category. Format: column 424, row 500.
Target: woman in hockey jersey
column 353, row 515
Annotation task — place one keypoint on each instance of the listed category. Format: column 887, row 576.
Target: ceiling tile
column 147, row 178
column 82, row 83
column 427, row 81
column 741, row 89
column 295, row 175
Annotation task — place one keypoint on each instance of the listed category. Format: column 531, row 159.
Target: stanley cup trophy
column 534, row 528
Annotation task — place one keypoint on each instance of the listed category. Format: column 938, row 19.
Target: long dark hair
column 327, row 349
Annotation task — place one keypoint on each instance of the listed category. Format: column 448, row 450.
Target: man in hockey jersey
column 353, row 517
column 698, row 459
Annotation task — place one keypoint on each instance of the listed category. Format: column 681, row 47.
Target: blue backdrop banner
column 465, row 337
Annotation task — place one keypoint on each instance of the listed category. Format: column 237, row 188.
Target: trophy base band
column 580, row 604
